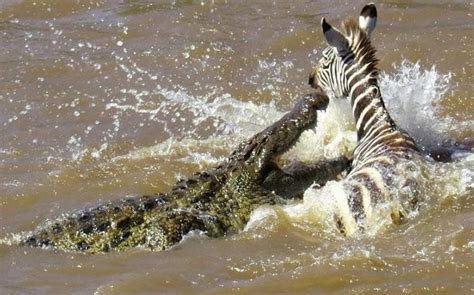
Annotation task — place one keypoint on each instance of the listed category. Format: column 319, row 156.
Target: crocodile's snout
column 319, row 100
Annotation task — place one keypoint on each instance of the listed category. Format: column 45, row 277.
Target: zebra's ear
column 333, row 37
column 368, row 18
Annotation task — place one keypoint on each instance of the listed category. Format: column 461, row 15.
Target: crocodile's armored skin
column 216, row 202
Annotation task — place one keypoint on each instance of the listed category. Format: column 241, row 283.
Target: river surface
column 102, row 99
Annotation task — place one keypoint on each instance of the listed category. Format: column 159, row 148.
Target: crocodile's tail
column 146, row 221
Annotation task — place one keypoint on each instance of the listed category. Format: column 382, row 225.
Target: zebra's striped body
column 348, row 68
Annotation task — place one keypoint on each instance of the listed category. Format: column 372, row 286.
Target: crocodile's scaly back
column 216, row 202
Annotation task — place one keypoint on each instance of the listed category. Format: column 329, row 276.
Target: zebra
column 348, row 68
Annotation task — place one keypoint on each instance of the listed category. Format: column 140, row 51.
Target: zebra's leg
column 292, row 180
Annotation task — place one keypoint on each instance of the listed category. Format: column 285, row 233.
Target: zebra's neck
column 376, row 131
column 366, row 101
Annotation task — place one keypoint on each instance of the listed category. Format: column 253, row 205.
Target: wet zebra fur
column 348, row 68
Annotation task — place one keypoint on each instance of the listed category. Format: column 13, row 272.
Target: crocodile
column 217, row 202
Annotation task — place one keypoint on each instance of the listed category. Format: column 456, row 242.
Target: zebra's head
column 348, row 51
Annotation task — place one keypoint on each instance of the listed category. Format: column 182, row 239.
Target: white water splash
column 334, row 135
column 411, row 93
column 412, row 96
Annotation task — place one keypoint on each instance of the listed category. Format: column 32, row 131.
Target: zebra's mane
column 360, row 45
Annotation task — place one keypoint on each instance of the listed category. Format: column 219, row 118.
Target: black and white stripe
column 348, row 69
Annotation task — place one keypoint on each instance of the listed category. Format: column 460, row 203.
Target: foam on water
column 333, row 135
column 411, row 93
column 412, row 96
column 232, row 119
column 436, row 182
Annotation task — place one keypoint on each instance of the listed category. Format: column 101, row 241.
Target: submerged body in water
column 84, row 120
column 216, row 202
column 221, row 200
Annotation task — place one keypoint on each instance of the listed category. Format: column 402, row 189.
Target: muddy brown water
column 103, row 99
